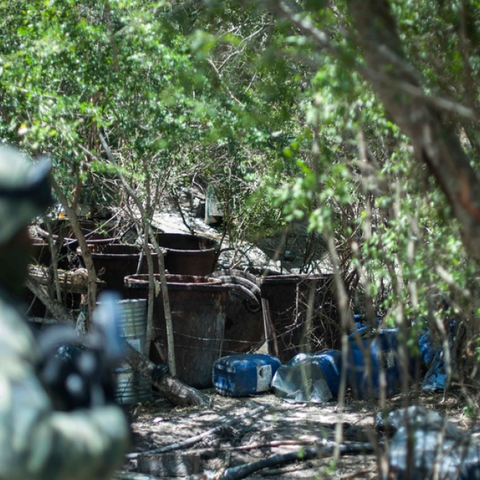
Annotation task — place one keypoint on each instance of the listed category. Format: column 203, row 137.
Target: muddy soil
column 281, row 428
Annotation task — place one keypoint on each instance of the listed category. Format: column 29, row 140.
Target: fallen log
column 253, row 446
column 242, row 471
column 173, row 389
column 325, row 449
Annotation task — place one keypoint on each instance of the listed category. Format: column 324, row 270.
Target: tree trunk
column 60, row 313
column 435, row 141
column 86, row 253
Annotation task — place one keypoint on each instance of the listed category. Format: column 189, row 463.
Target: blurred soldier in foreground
column 37, row 442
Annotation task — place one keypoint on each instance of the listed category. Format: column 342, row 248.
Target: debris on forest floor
column 203, row 442
column 263, row 436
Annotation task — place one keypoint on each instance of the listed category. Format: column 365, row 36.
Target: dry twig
column 195, row 439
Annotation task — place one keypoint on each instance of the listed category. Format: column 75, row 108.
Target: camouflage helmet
column 25, row 191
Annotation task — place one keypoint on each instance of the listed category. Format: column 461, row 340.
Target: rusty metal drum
column 198, row 306
column 288, row 299
column 188, row 254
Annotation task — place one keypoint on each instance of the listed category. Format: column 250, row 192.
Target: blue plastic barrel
column 243, row 375
column 331, row 364
column 364, row 368
column 427, row 352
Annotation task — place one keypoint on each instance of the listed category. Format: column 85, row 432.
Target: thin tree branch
column 87, row 254
column 219, row 75
column 321, row 38
column 56, row 309
column 163, row 280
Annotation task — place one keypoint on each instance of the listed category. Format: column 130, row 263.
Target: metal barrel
column 116, row 261
column 198, row 308
column 288, row 297
column 132, row 387
column 188, row 254
column 133, row 322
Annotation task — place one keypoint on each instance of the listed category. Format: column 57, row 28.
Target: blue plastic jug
column 243, row 375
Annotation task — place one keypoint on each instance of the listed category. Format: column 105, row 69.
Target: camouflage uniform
column 37, row 442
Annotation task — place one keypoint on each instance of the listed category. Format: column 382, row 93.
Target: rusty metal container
column 116, row 261
column 198, row 306
column 188, row 254
column 244, row 327
column 132, row 387
column 288, row 298
column 40, row 252
column 94, row 232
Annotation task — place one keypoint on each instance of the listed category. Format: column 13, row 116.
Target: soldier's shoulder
column 16, row 337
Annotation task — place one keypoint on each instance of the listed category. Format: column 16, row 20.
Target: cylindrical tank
column 116, row 261
column 132, row 387
column 188, row 254
column 198, row 307
column 288, row 299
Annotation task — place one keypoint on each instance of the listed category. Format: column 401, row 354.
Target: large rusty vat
column 288, row 297
column 94, row 232
column 65, row 241
column 244, row 327
column 40, row 252
column 188, row 254
column 198, row 306
column 116, row 261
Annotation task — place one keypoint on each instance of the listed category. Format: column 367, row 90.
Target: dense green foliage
column 142, row 74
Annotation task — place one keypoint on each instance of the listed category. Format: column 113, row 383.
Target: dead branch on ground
column 195, row 439
column 325, row 449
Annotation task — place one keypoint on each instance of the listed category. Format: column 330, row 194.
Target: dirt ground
column 280, row 428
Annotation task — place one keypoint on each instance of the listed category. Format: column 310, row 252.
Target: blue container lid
column 237, row 362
